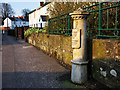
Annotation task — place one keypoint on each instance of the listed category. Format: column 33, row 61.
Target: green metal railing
column 61, row 24
column 103, row 21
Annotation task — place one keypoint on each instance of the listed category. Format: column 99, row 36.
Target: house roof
column 11, row 18
column 17, row 19
column 24, row 19
column 40, row 7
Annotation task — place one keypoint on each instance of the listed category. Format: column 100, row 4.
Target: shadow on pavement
column 10, row 40
column 44, row 80
column 32, row 79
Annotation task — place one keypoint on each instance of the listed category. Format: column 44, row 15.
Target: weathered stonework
column 79, row 62
column 76, row 38
column 105, row 54
column 106, row 49
column 106, row 61
column 58, row 45
column 79, row 34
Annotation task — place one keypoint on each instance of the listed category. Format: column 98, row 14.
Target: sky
column 19, row 5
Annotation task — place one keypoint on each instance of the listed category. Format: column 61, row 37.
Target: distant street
column 24, row 66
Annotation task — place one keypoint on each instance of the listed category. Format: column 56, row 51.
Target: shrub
column 44, row 30
column 28, row 32
column 35, row 30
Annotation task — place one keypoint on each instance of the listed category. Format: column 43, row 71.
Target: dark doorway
column 22, row 32
column 16, row 29
column 40, row 25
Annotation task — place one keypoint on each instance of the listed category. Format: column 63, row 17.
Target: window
column 36, row 25
column 44, row 18
column 40, row 25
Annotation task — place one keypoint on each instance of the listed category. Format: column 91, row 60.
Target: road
column 24, row 66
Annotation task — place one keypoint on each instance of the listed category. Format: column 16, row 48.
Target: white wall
column 31, row 20
column 12, row 24
column 35, row 16
column 8, row 22
column 22, row 23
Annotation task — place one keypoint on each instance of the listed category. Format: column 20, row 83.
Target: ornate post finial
column 79, row 14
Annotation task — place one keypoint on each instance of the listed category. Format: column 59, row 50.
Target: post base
column 79, row 71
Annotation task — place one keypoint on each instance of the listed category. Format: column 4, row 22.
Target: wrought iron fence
column 103, row 21
column 62, row 24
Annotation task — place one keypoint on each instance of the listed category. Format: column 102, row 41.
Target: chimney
column 41, row 3
column 23, row 17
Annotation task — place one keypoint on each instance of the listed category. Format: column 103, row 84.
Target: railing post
column 48, row 26
column 79, row 62
column 100, row 18
column 69, row 24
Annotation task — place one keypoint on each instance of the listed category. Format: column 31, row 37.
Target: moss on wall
column 106, row 48
column 104, row 55
column 107, row 72
column 58, row 45
column 106, row 61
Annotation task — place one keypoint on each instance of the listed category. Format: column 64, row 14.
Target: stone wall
column 103, row 54
column 106, row 61
column 58, row 46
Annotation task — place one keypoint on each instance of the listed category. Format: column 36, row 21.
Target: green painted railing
column 61, row 24
column 103, row 21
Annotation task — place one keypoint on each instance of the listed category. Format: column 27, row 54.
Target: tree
column 59, row 8
column 7, row 10
column 25, row 13
column 65, row 7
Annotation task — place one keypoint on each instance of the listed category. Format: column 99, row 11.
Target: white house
column 38, row 17
column 13, row 22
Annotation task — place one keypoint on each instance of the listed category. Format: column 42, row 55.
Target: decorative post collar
column 79, row 14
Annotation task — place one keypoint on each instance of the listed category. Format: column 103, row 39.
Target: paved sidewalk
column 24, row 66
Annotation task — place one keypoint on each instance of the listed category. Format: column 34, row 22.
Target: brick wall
column 19, row 33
